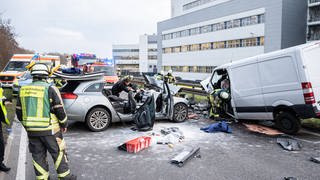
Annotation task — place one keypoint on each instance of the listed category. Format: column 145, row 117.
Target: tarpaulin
column 217, row 127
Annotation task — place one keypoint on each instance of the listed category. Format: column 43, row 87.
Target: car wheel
column 287, row 122
column 180, row 112
column 98, row 119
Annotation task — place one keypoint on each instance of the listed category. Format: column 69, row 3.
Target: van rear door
column 311, row 61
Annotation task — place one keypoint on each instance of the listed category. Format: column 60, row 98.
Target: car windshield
column 108, row 70
column 27, row 75
column 16, row 66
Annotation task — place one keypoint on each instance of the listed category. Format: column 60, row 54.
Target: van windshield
column 108, row 70
column 16, row 66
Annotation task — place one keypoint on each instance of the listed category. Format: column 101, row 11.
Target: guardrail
column 187, row 87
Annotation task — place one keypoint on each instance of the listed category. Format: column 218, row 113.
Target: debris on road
column 262, row 129
column 186, row 155
column 290, row 178
column 171, row 135
column 193, row 116
column 289, row 144
column 315, row 159
column 217, row 127
column 136, row 145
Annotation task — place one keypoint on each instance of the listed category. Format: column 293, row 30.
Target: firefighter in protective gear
column 4, row 119
column 218, row 97
column 159, row 76
column 169, row 77
column 41, row 112
column 123, row 85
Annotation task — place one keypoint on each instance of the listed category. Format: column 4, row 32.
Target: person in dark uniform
column 123, row 85
column 4, row 119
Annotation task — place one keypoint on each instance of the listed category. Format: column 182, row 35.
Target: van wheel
column 98, row 119
column 287, row 122
column 180, row 112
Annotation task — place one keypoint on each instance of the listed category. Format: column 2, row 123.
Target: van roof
column 274, row 53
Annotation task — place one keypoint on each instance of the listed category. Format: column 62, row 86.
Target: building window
column 185, row 33
column 236, row 23
column 152, row 50
column 205, row 46
column 261, row 39
column 233, row 44
column 176, row 35
column 152, row 57
column 125, row 50
column 218, row 45
column 258, row 41
column 245, row 21
column 185, row 69
column 185, row 48
column 195, row 47
column 249, row 42
column 261, row 18
column 209, row 69
column 254, row 20
column 205, row 29
column 177, row 49
column 174, row 68
column 194, row 31
column 228, row 24
column 167, row 68
column 167, row 36
column 220, row 26
column 167, row 50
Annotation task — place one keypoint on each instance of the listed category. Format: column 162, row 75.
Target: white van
column 283, row 86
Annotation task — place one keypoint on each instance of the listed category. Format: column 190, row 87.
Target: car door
column 167, row 101
column 215, row 84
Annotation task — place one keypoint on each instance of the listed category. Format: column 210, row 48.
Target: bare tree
column 8, row 43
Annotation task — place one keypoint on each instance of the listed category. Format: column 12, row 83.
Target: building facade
column 137, row 58
column 313, row 32
column 203, row 34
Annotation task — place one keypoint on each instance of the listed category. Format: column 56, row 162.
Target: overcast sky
column 75, row 26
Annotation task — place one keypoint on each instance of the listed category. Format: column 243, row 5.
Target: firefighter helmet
column 40, row 69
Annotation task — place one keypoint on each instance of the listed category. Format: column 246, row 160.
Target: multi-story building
column 137, row 58
column 313, row 20
column 203, row 34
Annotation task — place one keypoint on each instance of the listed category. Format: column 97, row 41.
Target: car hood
column 206, row 85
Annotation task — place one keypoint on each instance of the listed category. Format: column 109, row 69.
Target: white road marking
column 21, row 170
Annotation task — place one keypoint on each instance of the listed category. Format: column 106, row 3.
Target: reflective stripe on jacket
column 3, row 109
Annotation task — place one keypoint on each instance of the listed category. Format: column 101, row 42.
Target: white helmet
column 170, row 71
column 162, row 72
column 40, row 70
column 224, row 95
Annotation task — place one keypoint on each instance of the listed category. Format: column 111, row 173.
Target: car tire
column 180, row 112
column 98, row 119
column 287, row 122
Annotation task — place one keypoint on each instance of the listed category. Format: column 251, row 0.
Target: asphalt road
column 240, row 155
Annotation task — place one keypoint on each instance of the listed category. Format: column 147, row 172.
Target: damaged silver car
column 88, row 99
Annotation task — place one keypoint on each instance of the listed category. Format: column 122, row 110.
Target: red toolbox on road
column 138, row 144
